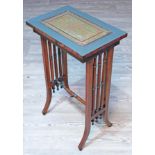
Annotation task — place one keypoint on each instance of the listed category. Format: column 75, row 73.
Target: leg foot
column 108, row 123
column 44, row 113
column 84, row 138
column 80, row 148
column 106, row 118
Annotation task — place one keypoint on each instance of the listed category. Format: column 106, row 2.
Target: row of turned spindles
column 98, row 91
column 55, row 63
column 99, row 74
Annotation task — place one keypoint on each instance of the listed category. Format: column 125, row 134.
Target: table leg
column 88, row 110
column 65, row 78
column 107, row 85
column 47, row 74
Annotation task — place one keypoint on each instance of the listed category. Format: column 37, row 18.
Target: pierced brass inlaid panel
column 75, row 28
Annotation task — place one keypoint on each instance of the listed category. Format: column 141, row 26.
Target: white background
column 11, row 77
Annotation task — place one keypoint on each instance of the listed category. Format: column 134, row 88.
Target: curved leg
column 107, row 85
column 47, row 74
column 89, row 80
column 85, row 135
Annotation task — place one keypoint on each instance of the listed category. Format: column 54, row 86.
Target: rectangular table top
column 77, row 30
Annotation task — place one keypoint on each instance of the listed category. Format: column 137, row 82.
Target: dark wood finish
column 89, row 87
column 47, row 74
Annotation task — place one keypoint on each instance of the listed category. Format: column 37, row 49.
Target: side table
column 89, row 40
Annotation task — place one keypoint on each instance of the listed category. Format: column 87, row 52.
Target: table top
column 77, row 30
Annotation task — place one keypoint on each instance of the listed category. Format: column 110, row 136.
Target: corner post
column 88, row 108
column 47, row 74
column 110, row 52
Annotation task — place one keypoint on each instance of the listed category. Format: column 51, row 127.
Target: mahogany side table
column 91, row 41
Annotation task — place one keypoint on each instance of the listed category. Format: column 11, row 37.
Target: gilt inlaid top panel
column 75, row 28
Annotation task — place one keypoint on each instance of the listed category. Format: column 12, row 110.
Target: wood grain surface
column 60, row 131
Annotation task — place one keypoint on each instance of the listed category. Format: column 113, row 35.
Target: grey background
column 60, row 131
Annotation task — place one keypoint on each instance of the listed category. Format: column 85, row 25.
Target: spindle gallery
column 89, row 40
